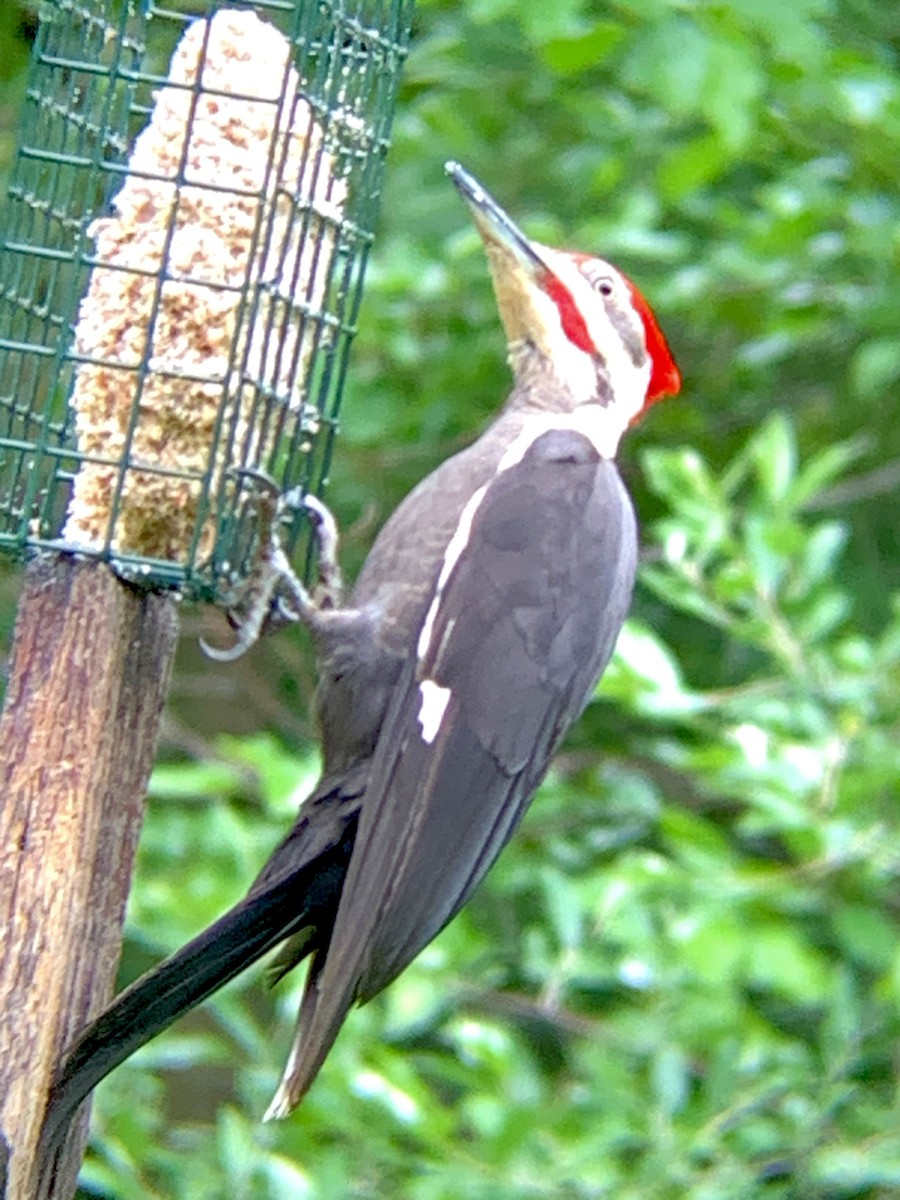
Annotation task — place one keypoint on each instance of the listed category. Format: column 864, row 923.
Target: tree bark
column 90, row 668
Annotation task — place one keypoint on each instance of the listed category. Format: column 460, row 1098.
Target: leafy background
column 683, row 978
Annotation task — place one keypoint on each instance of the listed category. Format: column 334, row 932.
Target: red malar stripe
column 573, row 323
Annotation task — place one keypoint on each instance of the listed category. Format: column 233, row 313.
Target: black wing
column 529, row 604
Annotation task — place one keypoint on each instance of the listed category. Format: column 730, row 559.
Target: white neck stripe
column 602, row 426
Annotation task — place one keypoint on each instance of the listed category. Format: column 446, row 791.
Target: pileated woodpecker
column 476, row 632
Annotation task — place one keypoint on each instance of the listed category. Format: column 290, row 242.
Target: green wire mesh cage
column 182, row 252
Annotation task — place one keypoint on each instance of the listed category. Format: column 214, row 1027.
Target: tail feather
column 296, row 892
column 156, row 1000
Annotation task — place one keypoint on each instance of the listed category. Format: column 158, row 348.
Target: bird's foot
column 273, row 594
column 330, row 591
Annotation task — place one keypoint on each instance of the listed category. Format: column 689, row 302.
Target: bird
column 473, row 638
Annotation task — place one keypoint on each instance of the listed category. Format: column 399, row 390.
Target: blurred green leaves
column 681, row 980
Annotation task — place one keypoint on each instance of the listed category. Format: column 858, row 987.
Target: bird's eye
column 604, row 285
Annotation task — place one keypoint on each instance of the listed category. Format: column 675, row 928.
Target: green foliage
column 682, row 980
column 738, row 160
column 17, row 23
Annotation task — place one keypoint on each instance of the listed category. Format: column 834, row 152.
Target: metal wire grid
column 95, row 73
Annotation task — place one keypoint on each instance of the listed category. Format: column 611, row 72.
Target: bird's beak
column 519, row 270
column 498, row 230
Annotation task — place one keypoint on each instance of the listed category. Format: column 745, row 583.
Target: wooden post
column 90, row 668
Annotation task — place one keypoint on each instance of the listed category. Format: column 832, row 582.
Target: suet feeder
column 183, row 248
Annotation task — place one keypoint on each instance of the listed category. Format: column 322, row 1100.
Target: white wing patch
column 434, row 704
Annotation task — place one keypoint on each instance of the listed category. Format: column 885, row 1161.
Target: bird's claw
column 325, row 530
column 273, row 595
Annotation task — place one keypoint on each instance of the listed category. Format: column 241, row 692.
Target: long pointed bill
column 496, row 227
column 524, row 281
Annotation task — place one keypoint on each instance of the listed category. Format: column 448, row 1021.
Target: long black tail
column 298, row 889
